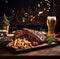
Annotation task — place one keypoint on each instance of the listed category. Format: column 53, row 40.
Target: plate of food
column 24, row 45
column 25, row 40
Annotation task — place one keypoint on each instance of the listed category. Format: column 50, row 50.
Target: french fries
column 20, row 43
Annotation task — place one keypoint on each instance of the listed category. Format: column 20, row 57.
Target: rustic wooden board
column 41, row 46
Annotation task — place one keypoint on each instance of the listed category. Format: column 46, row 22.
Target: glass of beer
column 51, row 23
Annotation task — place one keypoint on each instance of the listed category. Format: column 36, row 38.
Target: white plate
column 3, row 30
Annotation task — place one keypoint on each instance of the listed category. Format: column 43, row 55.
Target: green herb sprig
column 49, row 39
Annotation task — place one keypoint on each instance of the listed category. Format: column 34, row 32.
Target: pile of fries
column 20, row 43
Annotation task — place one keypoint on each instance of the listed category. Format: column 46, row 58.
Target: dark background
column 16, row 4
column 56, row 12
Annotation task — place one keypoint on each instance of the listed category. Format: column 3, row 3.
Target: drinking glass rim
column 51, row 17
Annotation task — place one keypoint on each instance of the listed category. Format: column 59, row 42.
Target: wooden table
column 52, row 51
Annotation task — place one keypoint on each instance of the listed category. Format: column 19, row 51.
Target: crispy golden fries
column 20, row 43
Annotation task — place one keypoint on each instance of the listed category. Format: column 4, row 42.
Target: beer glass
column 51, row 23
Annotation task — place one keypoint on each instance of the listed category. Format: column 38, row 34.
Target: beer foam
column 51, row 17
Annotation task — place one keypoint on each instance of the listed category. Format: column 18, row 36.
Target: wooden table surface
column 51, row 51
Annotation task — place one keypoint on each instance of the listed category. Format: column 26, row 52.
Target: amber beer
column 51, row 23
